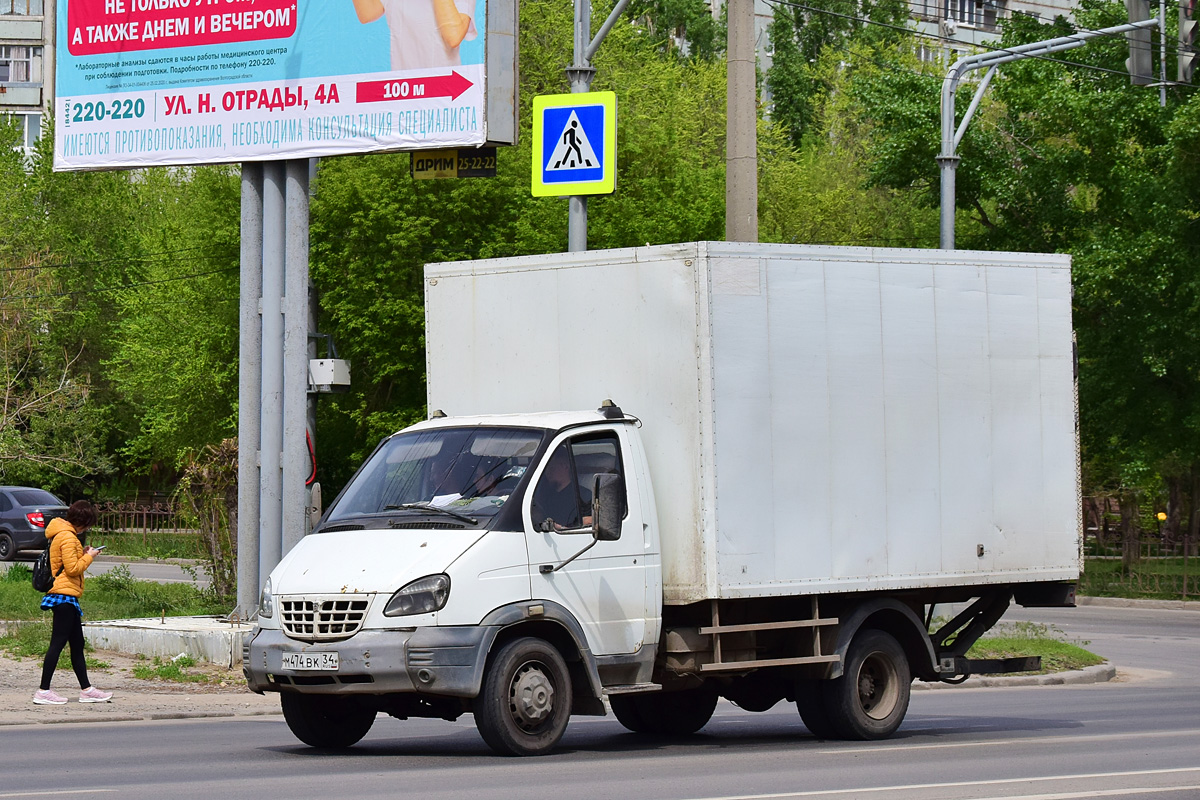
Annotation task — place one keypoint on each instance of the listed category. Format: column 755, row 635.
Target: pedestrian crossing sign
column 574, row 144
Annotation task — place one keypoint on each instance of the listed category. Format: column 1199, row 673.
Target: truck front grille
column 322, row 619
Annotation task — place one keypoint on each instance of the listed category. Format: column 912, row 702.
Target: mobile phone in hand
column 101, row 547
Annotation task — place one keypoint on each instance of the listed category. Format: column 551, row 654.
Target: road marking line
column 56, row 792
column 1027, row 740
column 953, row 785
column 1094, row 793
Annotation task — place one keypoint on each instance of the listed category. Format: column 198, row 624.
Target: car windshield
column 35, row 497
column 465, row 473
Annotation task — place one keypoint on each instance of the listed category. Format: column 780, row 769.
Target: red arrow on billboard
column 451, row 86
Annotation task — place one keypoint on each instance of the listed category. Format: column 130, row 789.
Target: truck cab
column 504, row 565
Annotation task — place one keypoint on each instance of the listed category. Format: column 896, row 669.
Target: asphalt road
column 1135, row 738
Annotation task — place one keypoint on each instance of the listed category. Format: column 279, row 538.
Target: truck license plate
column 312, row 662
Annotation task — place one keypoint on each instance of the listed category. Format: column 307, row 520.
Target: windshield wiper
column 434, row 509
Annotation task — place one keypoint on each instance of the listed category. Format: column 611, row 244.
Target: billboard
column 169, row 82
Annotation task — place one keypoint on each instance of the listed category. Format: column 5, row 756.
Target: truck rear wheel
column 325, row 720
column 870, row 700
column 666, row 713
column 810, row 702
column 628, row 711
column 526, row 699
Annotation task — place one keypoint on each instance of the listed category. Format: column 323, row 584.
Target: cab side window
column 563, row 497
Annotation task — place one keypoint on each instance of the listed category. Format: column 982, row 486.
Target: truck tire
column 628, row 711
column 666, row 713
column 8, row 548
column 810, row 702
column 870, row 700
column 525, row 703
column 324, row 720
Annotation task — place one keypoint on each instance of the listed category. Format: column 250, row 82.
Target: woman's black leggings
column 68, row 628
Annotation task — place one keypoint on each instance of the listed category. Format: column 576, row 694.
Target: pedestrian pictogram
column 573, row 150
column 574, row 144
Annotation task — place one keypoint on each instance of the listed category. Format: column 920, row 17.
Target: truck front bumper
column 438, row 661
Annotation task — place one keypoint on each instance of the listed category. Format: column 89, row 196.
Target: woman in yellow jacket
column 69, row 559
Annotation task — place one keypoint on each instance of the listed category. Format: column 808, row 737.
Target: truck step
column 633, row 688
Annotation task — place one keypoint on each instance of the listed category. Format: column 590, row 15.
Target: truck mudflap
column 445, row 661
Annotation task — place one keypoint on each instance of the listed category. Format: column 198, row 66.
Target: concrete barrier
column 210, row 639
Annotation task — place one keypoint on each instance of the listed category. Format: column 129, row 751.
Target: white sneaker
column 48, row 697
column 93, row 695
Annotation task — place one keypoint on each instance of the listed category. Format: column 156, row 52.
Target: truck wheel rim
column 878, row 686
column 531, row 696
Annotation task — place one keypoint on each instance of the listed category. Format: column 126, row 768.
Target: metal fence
column 140, row 518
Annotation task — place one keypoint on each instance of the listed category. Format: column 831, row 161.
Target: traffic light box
column 1141, row 70
column 1188, row 54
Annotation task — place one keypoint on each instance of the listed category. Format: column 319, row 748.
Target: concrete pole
column 249, row 388
column 271, row 437
column 295, row 357
column 741, row 142
column 580, row 75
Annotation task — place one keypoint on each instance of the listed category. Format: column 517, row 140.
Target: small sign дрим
column 467, row 162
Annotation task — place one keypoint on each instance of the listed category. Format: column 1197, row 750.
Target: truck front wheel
column 526, row 699
column 870, row 699
column 325, row 720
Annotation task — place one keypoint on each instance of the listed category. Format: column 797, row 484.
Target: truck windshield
column 468, row 471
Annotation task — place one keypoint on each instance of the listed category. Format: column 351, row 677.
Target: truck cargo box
column 817, row 419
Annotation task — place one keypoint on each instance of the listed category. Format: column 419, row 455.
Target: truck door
column 605, row 587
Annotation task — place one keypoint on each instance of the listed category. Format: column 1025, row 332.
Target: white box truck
column 795, row 453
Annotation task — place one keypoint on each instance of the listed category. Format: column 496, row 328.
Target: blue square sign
column 574, row 144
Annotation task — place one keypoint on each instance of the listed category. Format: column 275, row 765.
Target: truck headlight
column 419, row 597
column 266, row 602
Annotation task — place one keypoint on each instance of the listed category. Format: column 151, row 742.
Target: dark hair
column 81, row 514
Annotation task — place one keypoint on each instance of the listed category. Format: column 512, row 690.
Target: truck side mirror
column 608, row 506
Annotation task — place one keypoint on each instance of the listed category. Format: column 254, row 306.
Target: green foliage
column 32, row 640
column 805, row 36
column 151, row 545
column 115, row 594
column 173, row 669
column 207, row 497
column 685, row 27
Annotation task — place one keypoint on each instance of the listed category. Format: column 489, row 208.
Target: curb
column 154, row 716
column 1100, row 673
column 1131, row 602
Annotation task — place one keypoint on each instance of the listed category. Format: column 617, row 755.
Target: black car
column 24, row 512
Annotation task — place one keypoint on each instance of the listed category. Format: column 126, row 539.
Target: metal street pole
column 580, row 75
column 947, row 158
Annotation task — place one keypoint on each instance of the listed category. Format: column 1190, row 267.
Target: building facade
column 27, row 63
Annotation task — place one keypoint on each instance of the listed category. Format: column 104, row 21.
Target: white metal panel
column 964, row 395
column 912, row 420
column 1018, row 502
column 856, row 420
column 802, row 446
column 746, row 496
column 1062, row 489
